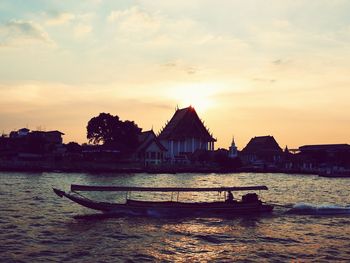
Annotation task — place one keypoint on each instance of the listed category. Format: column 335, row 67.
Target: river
column 38, row 226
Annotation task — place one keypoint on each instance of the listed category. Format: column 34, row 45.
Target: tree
column 222, row 159
column 99, row 129
column 111, row 131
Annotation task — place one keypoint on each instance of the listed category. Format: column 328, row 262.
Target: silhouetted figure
column 229, row 197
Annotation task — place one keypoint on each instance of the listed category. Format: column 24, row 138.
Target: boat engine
column 250, row 198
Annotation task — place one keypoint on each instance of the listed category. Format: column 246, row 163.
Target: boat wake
column 310, row 209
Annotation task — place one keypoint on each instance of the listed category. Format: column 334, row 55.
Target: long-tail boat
column 249, row 203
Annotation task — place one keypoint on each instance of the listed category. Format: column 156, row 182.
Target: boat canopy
column 76, row 187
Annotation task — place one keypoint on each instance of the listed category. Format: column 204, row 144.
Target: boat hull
column 170, row 208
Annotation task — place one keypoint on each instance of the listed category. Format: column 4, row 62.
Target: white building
column 185, row 133
column 150, row 150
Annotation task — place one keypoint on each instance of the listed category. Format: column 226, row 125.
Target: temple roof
column 262, row 143
column 145, row 135
column 146, row 138
column 185, row 124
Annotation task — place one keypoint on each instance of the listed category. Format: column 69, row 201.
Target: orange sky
column 249, row 68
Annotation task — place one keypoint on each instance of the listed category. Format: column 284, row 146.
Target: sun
column 198, row 95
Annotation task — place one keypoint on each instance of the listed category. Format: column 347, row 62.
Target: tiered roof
column 146, row 138
column 185, row 124
column 262, row 143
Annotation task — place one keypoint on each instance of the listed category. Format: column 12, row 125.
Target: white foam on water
column 323, row 209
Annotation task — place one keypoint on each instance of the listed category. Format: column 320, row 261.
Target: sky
column 250, row 68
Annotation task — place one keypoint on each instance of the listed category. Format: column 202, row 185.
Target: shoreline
column 169, row 170
column 129, row 168
column 94, row 168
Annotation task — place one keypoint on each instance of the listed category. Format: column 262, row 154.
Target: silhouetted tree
column 111, row 131
column 222, row 159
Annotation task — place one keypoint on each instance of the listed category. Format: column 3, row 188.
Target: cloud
column 83, row 25
column 179, row 65
column 135, row 21
column 80, row 24
column 21, row 33
column 60, row 19
column 146, row 32
column 82, row 30
column 277, row 62
column 133, row 13
column 264, row 80
column 155, row 28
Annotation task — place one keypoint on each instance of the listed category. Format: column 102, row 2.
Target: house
column 295, row 162
column 318, row 158
column 262, row 151
column 184, row 134
column 150, row 151
column 32, row 145
column 327, row 156
column 52, row 137
column 328, row 150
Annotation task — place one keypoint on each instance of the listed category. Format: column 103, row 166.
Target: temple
column 262, row 150
column 184, row 134
column 233, row 152
column 150, row 151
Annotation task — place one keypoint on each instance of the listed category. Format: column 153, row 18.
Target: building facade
column 150, row 151
column 262, row 151
column 32, row 145
column 184, row 134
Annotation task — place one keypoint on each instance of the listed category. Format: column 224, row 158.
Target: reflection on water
column 36, row 225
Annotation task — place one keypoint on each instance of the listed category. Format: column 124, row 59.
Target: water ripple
column 36, row 224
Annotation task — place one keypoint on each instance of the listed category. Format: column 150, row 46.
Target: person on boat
column 229, row 197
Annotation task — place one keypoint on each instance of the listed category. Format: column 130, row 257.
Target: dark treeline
column 111, row 131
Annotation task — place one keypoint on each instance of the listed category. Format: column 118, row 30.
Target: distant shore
column 155, row 170
column 117, row 168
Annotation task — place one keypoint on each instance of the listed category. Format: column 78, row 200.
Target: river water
column 311, row 225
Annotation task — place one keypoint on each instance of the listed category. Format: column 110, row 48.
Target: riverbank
column 117, row 168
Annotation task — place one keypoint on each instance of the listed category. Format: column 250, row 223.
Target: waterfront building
column 233, row 152
column 327, row 156
column 32, row 145
column 318, row 158
column 262, row 151
column 184, row 134
column 150, row 151
column 328, row 150
column 50, row 137
column 20, row 133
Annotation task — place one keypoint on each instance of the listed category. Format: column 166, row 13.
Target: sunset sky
column 250, row 68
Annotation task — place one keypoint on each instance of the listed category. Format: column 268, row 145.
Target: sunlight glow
column 199, row 95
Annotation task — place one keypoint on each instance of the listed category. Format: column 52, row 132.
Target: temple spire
column 286, row 150
column 233, row 152
column 233, row 140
